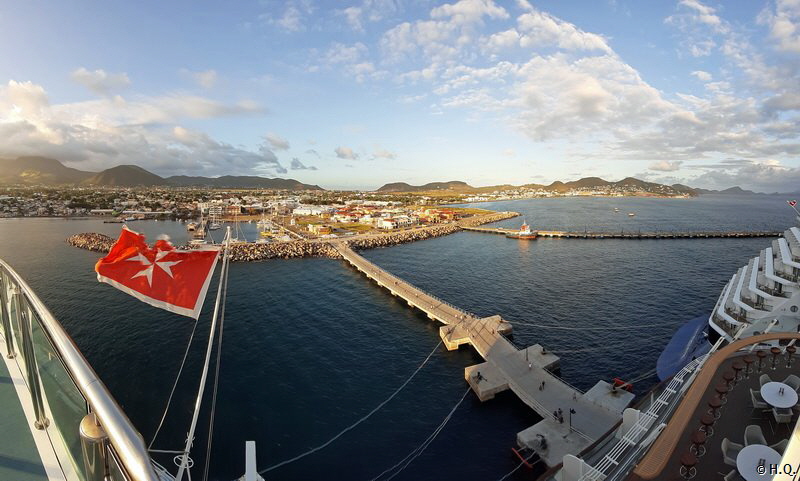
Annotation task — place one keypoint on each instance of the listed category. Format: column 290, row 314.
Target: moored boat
column 524, row 233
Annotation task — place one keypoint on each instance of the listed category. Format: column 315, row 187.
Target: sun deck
column 667, row 455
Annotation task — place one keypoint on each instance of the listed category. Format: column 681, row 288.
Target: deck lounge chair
column 729, row 451
column 754, row 435
column 792, row 381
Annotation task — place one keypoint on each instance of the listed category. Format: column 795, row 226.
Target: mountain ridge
column 34, row 170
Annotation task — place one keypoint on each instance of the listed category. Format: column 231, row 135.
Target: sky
column 356, row 94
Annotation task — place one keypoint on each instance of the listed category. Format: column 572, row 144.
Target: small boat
column 214, row 226
column 524, row 232
column 191, row 226
column 616, row 209
column 631, row 214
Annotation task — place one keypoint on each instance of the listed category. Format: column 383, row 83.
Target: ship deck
column 663, row 463
column 19, row 457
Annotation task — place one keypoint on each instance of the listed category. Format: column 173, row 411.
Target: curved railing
column 92, row 437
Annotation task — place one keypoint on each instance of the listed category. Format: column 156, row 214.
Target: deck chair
column 780, row 446
column 754, row 435
column 793, row 381
column 763, row 379
column 729, row 451
column 758, row 401
column 782, row 416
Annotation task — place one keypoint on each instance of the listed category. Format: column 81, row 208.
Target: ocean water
column 311, row 346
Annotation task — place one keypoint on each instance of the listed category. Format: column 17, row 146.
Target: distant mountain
column 586, row 183
column 45, row 171
column 731, row 190
column 403, row 187
column 240, row 182
column 39, row 170
column 125, row 176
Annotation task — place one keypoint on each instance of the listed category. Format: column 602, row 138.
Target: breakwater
column 249, row 252
column 632, row 234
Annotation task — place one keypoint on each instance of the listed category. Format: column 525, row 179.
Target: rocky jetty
column 248, row 252
column 281, row 250
column 92, row 242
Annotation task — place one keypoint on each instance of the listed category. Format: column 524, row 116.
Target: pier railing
column 91, row 436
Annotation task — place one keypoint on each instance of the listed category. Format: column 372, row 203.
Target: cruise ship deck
column 19, row 458
column 729, row 376
column 59, row 421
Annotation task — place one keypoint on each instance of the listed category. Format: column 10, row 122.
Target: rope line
column 359, row 421
column 410, row 457
column 519, row 466
column 174, row 385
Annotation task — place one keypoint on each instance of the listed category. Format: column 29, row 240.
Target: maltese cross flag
column 161, row 276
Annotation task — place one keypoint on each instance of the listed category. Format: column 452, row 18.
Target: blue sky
column 356, row 94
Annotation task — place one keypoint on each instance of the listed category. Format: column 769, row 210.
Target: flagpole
column 223, row 274
column 793, row 207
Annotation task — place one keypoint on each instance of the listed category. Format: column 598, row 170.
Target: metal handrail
column 127, row 442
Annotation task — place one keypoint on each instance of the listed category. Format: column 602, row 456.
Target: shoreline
column 251, row 252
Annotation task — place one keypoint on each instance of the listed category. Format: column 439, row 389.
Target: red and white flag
column 792, row 202
column 161, row 276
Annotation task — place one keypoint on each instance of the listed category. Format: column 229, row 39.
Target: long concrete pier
column 527, row 372
column 630, row 234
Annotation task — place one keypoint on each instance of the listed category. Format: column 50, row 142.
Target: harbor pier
column 526, row 372
column 635, row 234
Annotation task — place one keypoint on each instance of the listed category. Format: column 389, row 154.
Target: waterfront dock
column 630, row 234
column 526, row 372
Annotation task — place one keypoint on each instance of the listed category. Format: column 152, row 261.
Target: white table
column 772, row 395
column 747, row 461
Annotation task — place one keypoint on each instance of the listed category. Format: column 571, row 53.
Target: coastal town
column 348, row 207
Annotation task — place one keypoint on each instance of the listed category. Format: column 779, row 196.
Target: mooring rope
column 406, row 461
column 359, row 421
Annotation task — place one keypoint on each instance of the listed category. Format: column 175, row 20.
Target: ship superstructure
column 762, row 295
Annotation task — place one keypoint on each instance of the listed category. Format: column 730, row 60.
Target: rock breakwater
column 249, row 252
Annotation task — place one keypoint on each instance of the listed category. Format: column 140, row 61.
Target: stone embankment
column 314, row 248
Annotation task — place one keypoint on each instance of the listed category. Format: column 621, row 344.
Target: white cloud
column 702, row 76
column 784, row 24
column 666, row 165
column 277, row 142
column 206, row 79
column 345, row 153
column 98, row 134
column 381, row 153
column 368, row 10
column 540, row 29
column 99, row 81
column 297, row 165
column 469, row 11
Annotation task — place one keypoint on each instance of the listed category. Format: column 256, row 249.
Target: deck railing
column 91, row 436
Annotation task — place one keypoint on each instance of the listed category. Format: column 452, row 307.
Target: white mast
column 223, row 274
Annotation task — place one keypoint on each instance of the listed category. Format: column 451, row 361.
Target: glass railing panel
column 67, row 407
column 115, row 471
column 15, row 320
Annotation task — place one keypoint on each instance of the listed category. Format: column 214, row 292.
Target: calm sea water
column 310, row 345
